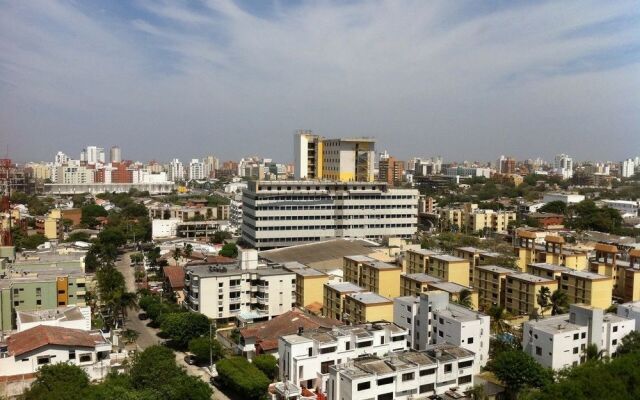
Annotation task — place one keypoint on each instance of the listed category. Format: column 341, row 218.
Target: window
column 310, row 351
column 538, row 350
column 575, row 350
column 575, row 336
column 583, row 335
column 44, row 360
column 470, row 340
column 427, row 388
column 427, row 372
column 615, row 329
column 72, row 354
column 448, row 368
column 347, row 346
column 39, row 302
column 368, row 343
column 364, row 386
column 614, row 342
column 440, row 333
column 408, row 376
column 385, row 381
column 85, row 357
column 327, row 350
column 386, row 396
column 465, row 364
column 324, row 366
column 464, row 379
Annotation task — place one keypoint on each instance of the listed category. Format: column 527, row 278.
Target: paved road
column 148, row 336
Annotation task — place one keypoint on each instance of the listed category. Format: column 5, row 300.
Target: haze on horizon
column 462, row 79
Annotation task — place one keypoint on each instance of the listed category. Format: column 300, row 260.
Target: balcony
column 234, row 300
column 263, row 300
column 234, row 287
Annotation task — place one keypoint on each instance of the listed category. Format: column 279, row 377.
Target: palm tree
column 498, row 319
column 177, row 253
column 188, row 250
column 592, row 353
column 130, row 335
column 544, row 294
column 119, row 304
column 559, row 302
column 464, row 299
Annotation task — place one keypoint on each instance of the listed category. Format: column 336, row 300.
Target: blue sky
column 463, row 79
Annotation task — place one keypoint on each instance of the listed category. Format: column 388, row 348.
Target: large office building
column 284, row 213
column 344, row 160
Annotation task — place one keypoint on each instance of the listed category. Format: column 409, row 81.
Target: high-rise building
column 211, row 164
column 94, row 155
column 563, row 166
column 506, row 165
column 343, row 160
column 176, row 170
column 390, row 170
column 60, row 159
column 627, row 168
column 196, row 170
column 115, row 154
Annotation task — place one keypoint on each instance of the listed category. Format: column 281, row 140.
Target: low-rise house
column 402, row 376
column 432, row 319
column 24, row 353
column 561, row 341
column 305, row 357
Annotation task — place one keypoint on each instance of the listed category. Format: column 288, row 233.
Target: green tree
column 543, row 299
column 201, row 346
column 59, row 381
column 113, row 236
column 31, row 242
column 498, row 316
column 556, row 207
column 517, row 370
column 177, row 253
column 464, row 299
column 78, row 237
column 220, row 237
column 229, row 250
column 182, row 327
column 188, row 250
column 90, row 213
column 267, row 364
column 592, row 353
column 630, row 343
column 559, row 302
column 243, row 378
column 130, row 335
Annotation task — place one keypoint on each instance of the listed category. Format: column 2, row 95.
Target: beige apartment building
column 373, row 275
column 490, row 281
column 521, row 292
column 449, row 268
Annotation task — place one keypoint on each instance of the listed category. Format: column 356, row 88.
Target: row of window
column 329, row 217
column 331, row 227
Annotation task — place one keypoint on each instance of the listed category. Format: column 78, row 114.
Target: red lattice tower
column 5, row 206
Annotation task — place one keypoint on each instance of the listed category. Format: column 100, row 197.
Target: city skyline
column 461, row 80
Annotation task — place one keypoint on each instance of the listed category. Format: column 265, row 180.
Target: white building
column 284, row 213
column 115, row 154
column 627, row 208
column 305, row 358
column 567, row 198
column 196, row 170
column 307, row 152
column 176, row 170
column 94, row 155
column 74, row 175
column 164, row 228
column 630, row 311
column 27, row 351
column 561, row 341
column 431, row 319
column 404, row 376
column 60, row 159
column 627, row 168
column 563, row 166
column 73, row 317
column 244, row 290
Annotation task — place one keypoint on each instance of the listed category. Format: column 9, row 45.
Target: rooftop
column 303, row 270
column 216, row 270
column 523, row 276
column 369, row 298
column 71, row 313
column 495, row 268
column 42, row 335
column 422, row 277
column 344, row 287
column 448, row 258
column 550, row 267
column 585, row 275
column 459, row 313
column 450, row 287
column 424, row 252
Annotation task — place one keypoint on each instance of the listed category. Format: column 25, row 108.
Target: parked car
column 190, row 359
column 143, row 316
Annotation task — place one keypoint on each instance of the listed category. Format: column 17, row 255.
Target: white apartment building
column 567, row 198
column 60, row 159
column 94, row 155
column 627, row 208
column 431, row 319
column 561, row 341
column 630, row 311
column 305, row 358
column 404, row 376
column 627, row 168
column 176, row 170
column 196, row 170
column 284, row 213
column 74, row 175
column 115, row 154
column 563, row 166
column 245, row 291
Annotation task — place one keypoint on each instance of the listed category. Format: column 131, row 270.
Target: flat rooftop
column 372, row 262
column 550, row 267
column 369, row 298
column 469, row 249
column 215, row 270
column 344, row 287
column 422, row 277
column 303, row 270
column 523, row 276
column 459, row 313
column 450, row 287
column 554, row 325
column 424, row 252
column 496, row 269
column 585, row 275
column 448, row 258
column 71, row 313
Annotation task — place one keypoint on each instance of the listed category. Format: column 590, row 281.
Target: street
column 148, row 336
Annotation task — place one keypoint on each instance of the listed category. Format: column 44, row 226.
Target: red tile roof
column 268, row 332
column 175, row 275
column 42, row 335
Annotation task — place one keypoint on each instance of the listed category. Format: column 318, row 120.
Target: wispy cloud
column 164, row 78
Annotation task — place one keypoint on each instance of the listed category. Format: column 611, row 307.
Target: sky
column 467, row 80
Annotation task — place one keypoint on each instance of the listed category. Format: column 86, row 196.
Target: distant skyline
column 466, row 80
